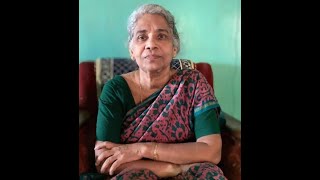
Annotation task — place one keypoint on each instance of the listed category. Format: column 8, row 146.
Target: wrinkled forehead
column 148, row 22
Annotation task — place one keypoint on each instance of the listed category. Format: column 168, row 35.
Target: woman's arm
column 161, row 169
column 207, row 148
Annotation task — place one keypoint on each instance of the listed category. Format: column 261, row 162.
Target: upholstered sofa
column 94, row 73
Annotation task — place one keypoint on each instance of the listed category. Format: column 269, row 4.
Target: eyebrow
column 162, row 30
column 158, row 30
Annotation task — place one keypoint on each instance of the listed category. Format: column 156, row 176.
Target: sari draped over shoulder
column 167, row 115
column 178, row 112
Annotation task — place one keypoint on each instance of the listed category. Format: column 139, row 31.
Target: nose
column 151, row 44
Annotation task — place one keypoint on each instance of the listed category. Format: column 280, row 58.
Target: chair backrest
column 93, row 74
column 87, row 85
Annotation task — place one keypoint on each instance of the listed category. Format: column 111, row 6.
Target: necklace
column 140, row 90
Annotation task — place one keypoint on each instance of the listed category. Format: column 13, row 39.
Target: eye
column 162, row 36
column 141, row 37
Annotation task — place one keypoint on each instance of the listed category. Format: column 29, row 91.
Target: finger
column 110, row 145
column 103, row 156
column 98, row 168
column 100, row 145
column 115, row 165
column 100, row 151
column 107, row 163
column 105, row 144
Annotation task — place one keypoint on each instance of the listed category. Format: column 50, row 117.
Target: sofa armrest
column 234, row 125
column 231, row 148
column 86, row 142
column 84, row 116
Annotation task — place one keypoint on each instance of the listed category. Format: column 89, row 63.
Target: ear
column 175, row 50
column 131, row 54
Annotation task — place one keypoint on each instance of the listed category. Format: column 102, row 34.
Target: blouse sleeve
column 110, row 114
column 206, row 109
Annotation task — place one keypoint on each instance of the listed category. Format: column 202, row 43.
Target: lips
column 152, row 57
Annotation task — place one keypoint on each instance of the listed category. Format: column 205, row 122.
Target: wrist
column 146, row 150
column 140, row 149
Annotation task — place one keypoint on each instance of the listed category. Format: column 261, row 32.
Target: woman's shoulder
column 117, row 80
column 193, row 72
column 128, row 76
column 189, row 70
column 115, row 87
column 120, row 82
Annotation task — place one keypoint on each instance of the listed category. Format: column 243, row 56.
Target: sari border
column 152, row 96
column 207, row 106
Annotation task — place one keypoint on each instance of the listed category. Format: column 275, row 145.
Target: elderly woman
column 157, row 122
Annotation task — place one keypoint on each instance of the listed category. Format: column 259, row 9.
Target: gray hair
column 153, row 9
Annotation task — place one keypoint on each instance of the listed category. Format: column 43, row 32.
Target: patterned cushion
column 106, row 68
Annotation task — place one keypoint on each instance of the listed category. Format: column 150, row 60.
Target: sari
column 182, row 111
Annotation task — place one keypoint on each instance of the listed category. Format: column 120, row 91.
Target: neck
column 154, row 80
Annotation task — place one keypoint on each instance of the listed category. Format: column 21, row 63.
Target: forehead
column 148, row 21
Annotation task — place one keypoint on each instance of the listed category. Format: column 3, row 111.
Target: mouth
column 152, row 57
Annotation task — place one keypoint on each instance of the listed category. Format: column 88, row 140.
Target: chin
column 153, row 68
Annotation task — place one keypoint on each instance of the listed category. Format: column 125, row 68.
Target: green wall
column 210, row 31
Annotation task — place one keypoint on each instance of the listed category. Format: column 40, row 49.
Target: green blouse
column 116, row 100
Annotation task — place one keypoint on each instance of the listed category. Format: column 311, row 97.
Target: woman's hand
column 171, row 170
column 113, row 155
column 97, row 154
column 185, row 167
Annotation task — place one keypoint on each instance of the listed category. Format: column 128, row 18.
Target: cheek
column 171, row 52
column 137, row 50
column 133, row 52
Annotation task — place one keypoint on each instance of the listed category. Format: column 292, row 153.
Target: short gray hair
column 153, row 9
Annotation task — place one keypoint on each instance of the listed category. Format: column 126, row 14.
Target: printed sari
column 182, row 111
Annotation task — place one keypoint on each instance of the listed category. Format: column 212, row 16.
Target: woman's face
column 152, row 43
